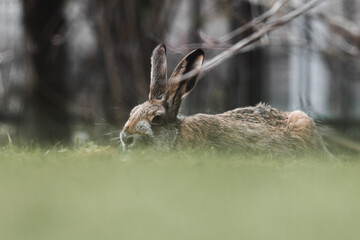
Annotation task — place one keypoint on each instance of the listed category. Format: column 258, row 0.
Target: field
column 97, row 192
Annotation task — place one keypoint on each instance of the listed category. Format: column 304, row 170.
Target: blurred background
column 72, row 70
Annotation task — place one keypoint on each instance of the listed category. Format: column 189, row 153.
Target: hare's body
column 255, row 129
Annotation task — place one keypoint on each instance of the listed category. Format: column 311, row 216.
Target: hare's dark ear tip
column 199, row 52
column 196, row 55
column 161, row 45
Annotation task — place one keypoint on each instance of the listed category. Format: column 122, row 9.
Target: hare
column 259, row 129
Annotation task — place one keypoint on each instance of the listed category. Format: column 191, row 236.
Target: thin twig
column 221, row 43
column 348, row 28
column 255, row 22
column 215, row 61
column 212, row 47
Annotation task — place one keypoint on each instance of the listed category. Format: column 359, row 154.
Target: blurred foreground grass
column 94, row 192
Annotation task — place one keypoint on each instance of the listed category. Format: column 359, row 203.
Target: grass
column 94, row 192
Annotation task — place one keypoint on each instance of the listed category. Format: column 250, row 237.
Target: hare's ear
column 178, row 88
column 158, row 72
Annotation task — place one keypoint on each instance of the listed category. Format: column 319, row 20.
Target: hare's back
column 290, row 130
column 257, row 129
column 260, row 114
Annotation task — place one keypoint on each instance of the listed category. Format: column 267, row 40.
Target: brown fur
column 256, row 129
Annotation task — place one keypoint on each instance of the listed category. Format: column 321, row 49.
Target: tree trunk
column 244, row 87
column 128, row 32
column 47, row 103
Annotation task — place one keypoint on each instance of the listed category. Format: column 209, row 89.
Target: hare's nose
column 126, row 138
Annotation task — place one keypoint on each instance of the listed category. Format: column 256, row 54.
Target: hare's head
column 154, row 121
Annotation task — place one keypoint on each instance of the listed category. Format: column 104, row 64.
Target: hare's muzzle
column 127, row 139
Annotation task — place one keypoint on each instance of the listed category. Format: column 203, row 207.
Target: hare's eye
column 156, row 120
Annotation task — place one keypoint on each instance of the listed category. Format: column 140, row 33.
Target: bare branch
column 349, row 43
column 250, row 39
column 348, row 28
column 255, row 22
column 221, row 43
